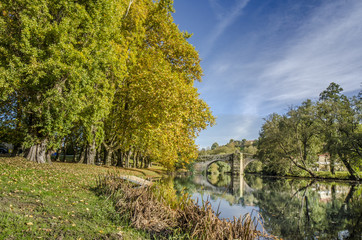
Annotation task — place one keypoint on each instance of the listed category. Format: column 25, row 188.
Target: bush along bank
column 164, row 215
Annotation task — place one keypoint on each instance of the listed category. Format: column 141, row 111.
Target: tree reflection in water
column 300, row 209
column 219, row 180
column 291, row 208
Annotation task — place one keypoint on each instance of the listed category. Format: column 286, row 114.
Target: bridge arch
column 203, row 162
column 247, row 161
column 221, row 160
column 238, row 161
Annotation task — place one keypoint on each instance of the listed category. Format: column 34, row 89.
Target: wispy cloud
column 253, row 78
column 327, row 48
column 225, row 18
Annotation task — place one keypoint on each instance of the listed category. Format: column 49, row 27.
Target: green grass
column 58, row 201
column 337, row 175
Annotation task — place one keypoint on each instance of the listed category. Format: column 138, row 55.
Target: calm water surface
column 291, row 208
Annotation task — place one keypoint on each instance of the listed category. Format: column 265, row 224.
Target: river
column 290, row 208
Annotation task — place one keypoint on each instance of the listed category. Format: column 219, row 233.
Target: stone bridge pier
column 238, row 161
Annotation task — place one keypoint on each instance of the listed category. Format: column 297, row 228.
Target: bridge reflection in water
column 237, row 161
column 236, row 187
column 291, row 208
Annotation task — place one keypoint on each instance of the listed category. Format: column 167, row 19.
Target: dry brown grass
column 148, row 211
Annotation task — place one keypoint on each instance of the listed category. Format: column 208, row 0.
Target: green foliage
column 302, row 209
column 223, row 167
column 57, row 60
column 166, row 192
column 214, row 145
column 219, row 180
column 244, row 146
column 340, row 126
column 213, row 169
column 254, row 167
column 108, row 74
column 290, row 144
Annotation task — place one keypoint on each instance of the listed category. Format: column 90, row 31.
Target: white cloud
column 225, row 19
column 254, row 78
column 327, row 48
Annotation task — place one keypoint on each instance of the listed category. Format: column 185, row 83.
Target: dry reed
column 148, row 211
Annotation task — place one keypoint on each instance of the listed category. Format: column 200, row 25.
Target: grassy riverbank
column 59, row 201
column 323, row 175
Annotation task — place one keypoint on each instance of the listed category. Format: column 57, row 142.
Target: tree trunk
column 148, row 162
column 49, row 155
column 120, row 159
column 113, row 159
column 37, row 153
column 97, row 159
column 140, row 161
column 128, row 157
column 332, row 164
column 135, row 160
column 143, row 162
column 104, row 155
column 108, row 156
column 80, row 154
column 301, row 167
column 83, row 158
column 75, row 154
column 91, row 152
column 351, row 171
column 64, row 152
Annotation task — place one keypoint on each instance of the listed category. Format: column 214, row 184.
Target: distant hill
column 245, row 146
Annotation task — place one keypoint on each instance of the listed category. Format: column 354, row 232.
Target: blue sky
column 262, row 56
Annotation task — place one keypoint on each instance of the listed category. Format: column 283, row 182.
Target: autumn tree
column 157, row 111
column 112, row 77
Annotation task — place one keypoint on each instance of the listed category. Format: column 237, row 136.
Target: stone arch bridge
column 238, row 161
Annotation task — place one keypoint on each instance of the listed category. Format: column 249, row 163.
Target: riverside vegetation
column 66, row 201
column 290, row 144
column 112, row 82
column 164, row 215
column 109, row 82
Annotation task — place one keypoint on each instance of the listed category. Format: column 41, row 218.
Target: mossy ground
column 59, row 201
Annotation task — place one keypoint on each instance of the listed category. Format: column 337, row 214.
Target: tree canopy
column 115, row 76
column 332, row 125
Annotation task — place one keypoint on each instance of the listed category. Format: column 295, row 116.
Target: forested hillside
column 244, row 146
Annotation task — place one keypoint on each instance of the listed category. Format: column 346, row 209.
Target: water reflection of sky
column 226, row 209
column 291, row 208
